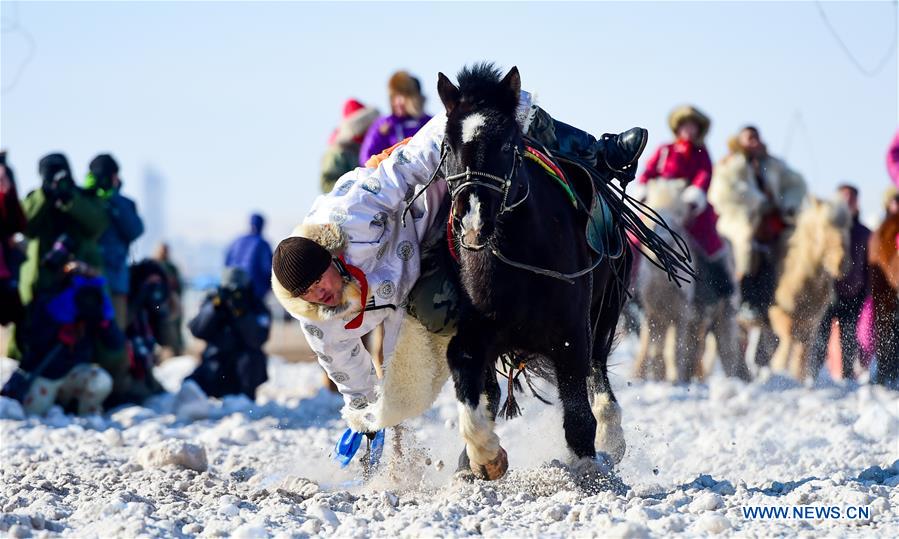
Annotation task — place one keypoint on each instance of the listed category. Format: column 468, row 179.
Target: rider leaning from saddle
column 356, row 248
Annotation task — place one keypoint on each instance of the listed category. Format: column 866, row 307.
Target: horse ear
column 512, row 81
column 449, row 94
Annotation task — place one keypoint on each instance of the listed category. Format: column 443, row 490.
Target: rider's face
column 328, row 290
column 688, row 130
column 750, row 141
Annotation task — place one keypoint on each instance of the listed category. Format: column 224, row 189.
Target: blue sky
column 233, row 102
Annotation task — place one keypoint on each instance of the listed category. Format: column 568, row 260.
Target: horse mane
column 480, row 86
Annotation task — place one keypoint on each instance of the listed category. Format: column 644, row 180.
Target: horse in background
column 516, row 230
column 663, row 346
column 677, row 319
column 817, row 255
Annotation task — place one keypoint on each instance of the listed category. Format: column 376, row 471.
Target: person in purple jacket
column 406, row 118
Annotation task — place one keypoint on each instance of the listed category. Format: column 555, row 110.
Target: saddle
column 601, row 233
column 611, row 215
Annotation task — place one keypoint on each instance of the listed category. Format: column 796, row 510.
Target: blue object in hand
column 347, row 446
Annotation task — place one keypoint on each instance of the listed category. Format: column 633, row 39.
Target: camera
column 60, row 254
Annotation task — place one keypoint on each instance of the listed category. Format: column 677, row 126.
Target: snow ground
column 696, row 456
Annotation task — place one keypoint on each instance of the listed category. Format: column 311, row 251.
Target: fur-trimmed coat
column 361, row 220
column 740, row 202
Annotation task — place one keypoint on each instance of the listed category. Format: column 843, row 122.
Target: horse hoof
column 494, row 469
column 595, row 475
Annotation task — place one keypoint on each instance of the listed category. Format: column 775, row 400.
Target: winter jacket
column 684, row 160
column 233, row 361
column 741, row 203
column 345, row 143
column 853, row 287
column 360, row 220
column 337, row 161
column 893, row 160
column 254, row 255
column 125, row 226
column 12, row 220
column 387, row 131
column 83, row 218
column 54, row 326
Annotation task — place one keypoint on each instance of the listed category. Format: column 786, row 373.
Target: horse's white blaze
column 471, row 126
column 481, row 443
column 609, row 434
column 471, row 222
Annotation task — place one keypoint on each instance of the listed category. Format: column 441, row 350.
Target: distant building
column 153, row 210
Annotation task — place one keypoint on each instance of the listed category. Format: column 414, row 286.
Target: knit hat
column 102, row 168
column 52, row 164
column 685, row 113
column 357, row 118
column 403, row 83
column 350, row 106
column 298, row 262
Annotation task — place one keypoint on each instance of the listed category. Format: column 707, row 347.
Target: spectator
column 60, row 344
column 57, row 207
column 406, row 118
column 12, row 221
column 342, row 154
column 235, row 324
column 254, row 255
column 893, row 160
column 171, row 330
column 125, row 226
column 850, row 292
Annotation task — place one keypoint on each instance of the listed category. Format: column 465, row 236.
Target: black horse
column 532, row 285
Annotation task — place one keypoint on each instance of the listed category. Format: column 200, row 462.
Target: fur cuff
column 695, row 197
column 413, row 377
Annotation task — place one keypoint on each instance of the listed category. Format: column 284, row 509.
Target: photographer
column 125, row 226
column 235, row 324
column 56, row 208
column 60, row 342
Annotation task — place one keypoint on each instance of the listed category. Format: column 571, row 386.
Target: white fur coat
column 740, row 203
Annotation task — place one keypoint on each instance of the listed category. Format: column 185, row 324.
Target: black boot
column 621, row 152
column 614, row 156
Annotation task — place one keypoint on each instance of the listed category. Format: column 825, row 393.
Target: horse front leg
column 469, row 355
column 578, row 420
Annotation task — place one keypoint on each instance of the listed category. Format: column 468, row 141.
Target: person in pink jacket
column 687, row 158
column 893, row 159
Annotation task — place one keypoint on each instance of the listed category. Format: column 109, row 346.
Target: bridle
column 476, row 178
